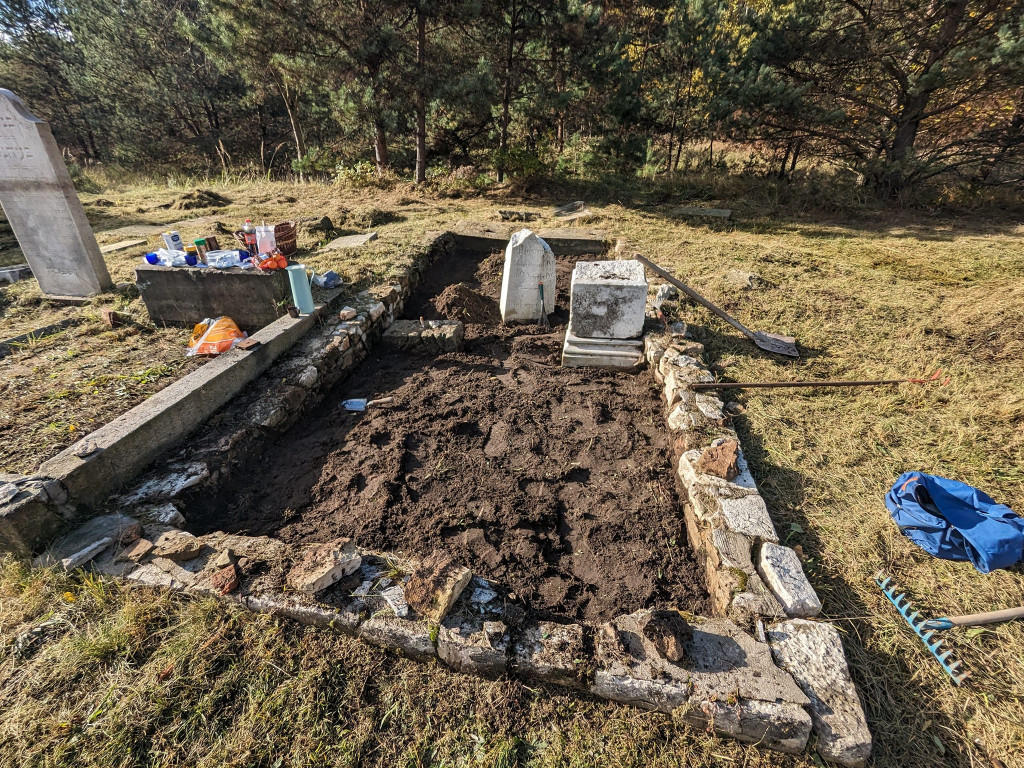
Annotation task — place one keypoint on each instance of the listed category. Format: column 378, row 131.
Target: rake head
column 917, row 623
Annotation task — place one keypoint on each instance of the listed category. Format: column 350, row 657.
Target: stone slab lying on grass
column 350, row 241
column 776, row 725
column 112, row 528
column 687, row 211
column 813, row 653
column 473, row 644
column 121, row 245
column 728, row 682
column 413, row 638
column 780, row 568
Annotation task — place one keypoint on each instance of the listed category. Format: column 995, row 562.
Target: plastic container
column 265, row 239
column 191, row 255
column 173, row 241
column 225, row 259
column 302, row 296
column 201, row 248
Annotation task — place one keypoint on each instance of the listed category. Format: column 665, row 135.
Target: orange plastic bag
column 212, row 337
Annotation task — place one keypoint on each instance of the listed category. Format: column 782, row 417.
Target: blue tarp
column 954, row 521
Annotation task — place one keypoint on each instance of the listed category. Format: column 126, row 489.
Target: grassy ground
column 868, row 293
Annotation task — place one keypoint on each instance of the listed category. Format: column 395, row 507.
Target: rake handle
column 695, row 296
column 990, row 617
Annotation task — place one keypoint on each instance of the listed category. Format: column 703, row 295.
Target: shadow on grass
column 889, row 685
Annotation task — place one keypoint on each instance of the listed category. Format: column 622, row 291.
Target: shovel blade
column 776, row 343
column 354, row 405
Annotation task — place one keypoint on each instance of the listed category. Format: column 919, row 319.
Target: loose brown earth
column 555, row 482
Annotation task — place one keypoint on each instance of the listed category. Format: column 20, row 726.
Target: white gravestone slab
column 42, row 207
column 609, row 299
column 529, row 261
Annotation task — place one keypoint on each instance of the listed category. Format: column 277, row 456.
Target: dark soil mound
column 460, row 302
column 201, row 198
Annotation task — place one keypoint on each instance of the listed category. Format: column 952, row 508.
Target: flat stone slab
column 487, row 237
column 780, row 568
column 121, row 245
column 145, row 230
column 105, row 528
column 15, row 273
column 608, row 299
column 578, row 352
column 687, row 211
column 350, row 241
column 813, row 654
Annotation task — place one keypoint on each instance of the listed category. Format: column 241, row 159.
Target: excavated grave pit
column 554, row 482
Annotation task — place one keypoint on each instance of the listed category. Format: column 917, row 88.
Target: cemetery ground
column 128, row 676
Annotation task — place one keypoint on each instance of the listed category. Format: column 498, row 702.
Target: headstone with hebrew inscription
column 42, row 207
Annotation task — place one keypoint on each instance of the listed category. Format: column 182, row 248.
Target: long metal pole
column 788, row 384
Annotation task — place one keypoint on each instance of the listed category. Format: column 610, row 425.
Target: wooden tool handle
column 381, row 401
column 696, row 296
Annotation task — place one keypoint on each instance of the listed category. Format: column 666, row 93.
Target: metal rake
column 916, row 622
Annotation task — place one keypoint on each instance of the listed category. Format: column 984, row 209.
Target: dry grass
column 135, row 677
column 869, row 294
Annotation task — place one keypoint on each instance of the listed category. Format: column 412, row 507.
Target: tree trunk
column 892, row 179
column 672, row 129
column 293, row 119
column 380, row 149
column 421, row 99
column 506, row 94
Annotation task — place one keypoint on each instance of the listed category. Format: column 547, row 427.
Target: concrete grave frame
column 773, row 686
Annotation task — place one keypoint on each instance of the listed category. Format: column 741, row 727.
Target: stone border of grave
column 751, row 577
column 773, row 689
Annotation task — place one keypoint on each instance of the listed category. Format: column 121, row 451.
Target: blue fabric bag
column 954, row 521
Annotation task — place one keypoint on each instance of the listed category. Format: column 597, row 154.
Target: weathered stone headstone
column 606, row 315
column 42, row 207
column 608, row 299
column 529, row 261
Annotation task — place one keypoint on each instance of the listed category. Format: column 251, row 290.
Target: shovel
column 361, row 404
column 543, row 322
column 769, row 342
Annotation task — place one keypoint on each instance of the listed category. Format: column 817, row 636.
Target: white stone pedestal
column 578, row 352
column 529, row 261
column 608, row 300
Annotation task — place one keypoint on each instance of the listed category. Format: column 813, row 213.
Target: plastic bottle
column 249, row 233
column 166, row 258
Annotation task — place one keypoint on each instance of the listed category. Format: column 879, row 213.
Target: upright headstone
column 529, row 261
column 42, row 207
